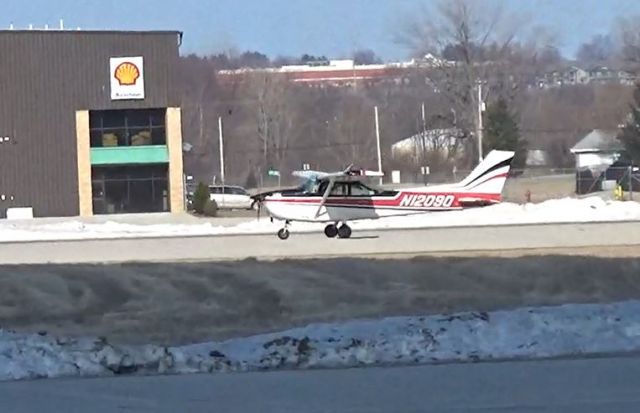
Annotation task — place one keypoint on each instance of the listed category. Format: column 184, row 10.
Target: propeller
column 259, row 209
column 257, row 201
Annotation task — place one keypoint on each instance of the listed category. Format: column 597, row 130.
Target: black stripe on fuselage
column 391, row 208
column 506, row 162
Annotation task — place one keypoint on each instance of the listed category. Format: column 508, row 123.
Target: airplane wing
column 308, row 174
column 332, row 180
column 348, row 172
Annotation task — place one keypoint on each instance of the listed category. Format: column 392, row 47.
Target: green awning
column 129, row 155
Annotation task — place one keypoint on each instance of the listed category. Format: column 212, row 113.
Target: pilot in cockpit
column 310, row 186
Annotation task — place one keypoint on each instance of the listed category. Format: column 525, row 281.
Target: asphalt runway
column 383, row 243
column 566, row 386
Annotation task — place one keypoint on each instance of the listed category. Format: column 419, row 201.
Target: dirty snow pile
column 591, row 209
column 567, row 330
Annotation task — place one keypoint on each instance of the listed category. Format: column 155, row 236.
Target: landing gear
column 331, row 231
column 284, row 232
column 344, row 231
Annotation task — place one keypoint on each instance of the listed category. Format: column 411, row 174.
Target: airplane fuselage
column 299, row 207
column 340, row 197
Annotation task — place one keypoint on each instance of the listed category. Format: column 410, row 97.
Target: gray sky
column 294, row 27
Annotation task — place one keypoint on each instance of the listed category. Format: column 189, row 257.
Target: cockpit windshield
column 309, row 186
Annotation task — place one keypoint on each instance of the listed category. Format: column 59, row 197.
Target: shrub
column 210, row 208
column 200, row 198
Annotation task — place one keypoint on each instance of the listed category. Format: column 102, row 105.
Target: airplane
column 337, row 198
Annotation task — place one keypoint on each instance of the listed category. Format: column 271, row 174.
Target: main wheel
column 331, row 231
column 283, row 234
column 344, row 231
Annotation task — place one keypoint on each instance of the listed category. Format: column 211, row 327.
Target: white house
column 441, row 140
column 600, row 148
column 537, row 158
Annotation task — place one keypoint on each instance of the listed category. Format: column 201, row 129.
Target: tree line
column 271, row 123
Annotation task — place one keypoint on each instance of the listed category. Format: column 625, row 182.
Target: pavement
column 383, row 243
column 567, row 386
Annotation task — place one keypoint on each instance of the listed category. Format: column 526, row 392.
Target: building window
column 130, row 189
column 137, row 127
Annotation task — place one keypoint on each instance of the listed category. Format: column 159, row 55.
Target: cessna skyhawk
column 341, row 197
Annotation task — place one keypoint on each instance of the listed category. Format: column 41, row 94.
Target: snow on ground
column 591, row 209
column 568, row 330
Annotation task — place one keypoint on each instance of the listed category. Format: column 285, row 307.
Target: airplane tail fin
column 490, row 175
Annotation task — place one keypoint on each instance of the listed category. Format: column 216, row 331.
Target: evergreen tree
column 200, row 198
column 630, row 133
column 501, row 132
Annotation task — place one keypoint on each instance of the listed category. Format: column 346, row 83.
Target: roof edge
column 69, row 31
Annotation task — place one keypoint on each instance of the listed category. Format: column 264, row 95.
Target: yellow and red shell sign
column 127, row 74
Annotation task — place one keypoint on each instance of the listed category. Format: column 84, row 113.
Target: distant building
column 338, row 73
column 574, row 75
column 537, row 158
column 598, row 149
column 603, row 74
column 428, row 141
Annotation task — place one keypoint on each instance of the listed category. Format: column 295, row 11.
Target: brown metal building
column 90, row 122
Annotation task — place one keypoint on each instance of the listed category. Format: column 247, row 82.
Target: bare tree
column 351, row 131
column 365, row 57
column 276, row 116
column 477, row 36
column 627, row 34
column 599, row 50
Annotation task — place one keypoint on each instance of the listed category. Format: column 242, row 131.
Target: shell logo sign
column 127, row 78
column 127, row 74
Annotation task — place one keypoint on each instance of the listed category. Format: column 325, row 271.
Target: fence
column 415, row 177
column 618, row 180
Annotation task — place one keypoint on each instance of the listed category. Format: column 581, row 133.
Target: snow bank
column 592, row 209
column 524, row 333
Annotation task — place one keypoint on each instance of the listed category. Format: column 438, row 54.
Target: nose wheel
column 284, row 232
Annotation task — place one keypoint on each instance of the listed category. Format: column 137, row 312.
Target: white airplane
column 341, row 197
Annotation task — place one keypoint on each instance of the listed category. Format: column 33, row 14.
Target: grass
column 183, row 303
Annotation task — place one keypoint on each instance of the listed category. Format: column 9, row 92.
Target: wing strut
column 327, row 191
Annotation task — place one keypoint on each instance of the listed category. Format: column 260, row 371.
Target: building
column 90, row 122
column 576, row 76
column 537, row 158
column 605, row 75
column 333, row 73
column 339, row 73
column 432, row 140
column 598, row 149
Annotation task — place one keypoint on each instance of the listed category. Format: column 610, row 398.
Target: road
column 567, row 386
column 401, row 242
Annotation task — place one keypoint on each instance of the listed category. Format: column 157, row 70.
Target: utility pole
column 378, row 142
column 221, row 150
column 480, row 130
column 423, row 138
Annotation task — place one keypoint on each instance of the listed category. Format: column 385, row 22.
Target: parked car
column 231, row 197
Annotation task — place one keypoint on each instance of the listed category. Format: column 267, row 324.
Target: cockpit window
column 316, row 187
column 359, row 189
column 340, row 189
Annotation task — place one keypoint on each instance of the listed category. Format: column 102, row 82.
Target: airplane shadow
column 365, row 237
